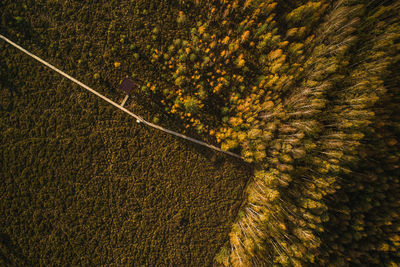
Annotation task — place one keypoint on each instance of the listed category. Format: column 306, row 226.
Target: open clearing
column 81, row 182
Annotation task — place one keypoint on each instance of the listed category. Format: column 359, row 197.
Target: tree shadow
column 10, row 253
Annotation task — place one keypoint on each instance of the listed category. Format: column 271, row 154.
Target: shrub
column 191, row 105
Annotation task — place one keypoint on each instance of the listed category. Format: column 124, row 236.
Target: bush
column 191, row 105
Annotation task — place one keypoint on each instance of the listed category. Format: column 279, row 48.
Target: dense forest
column 307, row 92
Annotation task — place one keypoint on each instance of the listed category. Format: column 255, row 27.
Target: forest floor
column 82, row 183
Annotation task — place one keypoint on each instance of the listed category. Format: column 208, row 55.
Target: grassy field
column 81, row 182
